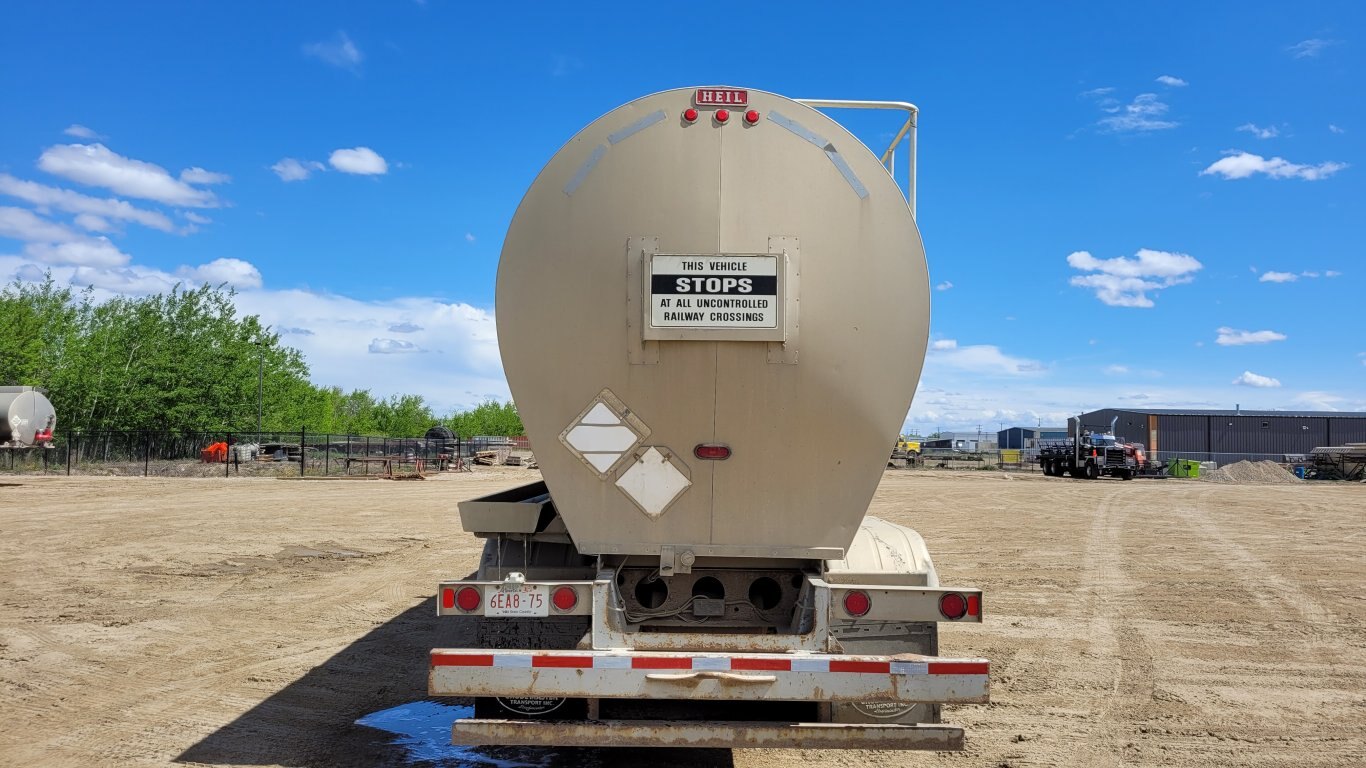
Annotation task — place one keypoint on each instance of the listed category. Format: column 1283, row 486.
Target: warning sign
column 738, row 291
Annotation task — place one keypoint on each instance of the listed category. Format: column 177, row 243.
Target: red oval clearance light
column 447, row 598
column 565, row 598
column 712, row 452
column 974, row 605
column 722, row 115
column 467, row 598
column 857, row 603
column 752, row 116
column 953, row 605
column 690, row 115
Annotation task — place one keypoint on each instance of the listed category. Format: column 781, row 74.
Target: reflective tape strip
column 636, row 127
column 846, row 171
column 836, row 158
column 738, row 663
column 584, row 169
column 797, row 128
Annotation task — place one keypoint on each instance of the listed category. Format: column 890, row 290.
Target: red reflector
column 467, row 598
column 974, row 605
column 712, row 451
column 953, row 606
column 752, row 116
column 690, row 114
column 447, row 598
column 565, row 598
column 722, row 115
column 857, row 603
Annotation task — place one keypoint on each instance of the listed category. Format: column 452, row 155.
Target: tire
column 1126, row 474
column 1091, row 471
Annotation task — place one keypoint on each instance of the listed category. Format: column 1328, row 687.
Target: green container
column 1184, row 468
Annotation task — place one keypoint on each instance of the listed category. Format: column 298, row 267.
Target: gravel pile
column 1251, row 473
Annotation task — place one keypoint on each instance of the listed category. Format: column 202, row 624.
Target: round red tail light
column 690, row 114
column 953, row 606
column 857, row 603
column 712, row 452
column 722, row 115
column 565, row 598
column 467, row 598
column 752, row 116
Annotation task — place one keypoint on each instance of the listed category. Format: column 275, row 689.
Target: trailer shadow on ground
column 382, row 677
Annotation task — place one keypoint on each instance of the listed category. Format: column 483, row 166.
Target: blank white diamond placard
column 653, row 482
column 604, row 432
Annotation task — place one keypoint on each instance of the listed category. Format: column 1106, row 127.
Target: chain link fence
column 227, row 453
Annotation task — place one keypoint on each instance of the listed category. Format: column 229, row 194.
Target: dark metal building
column 1028, row 437
column 1228, row 436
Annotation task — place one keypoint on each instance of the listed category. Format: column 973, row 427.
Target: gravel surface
column 1251, row 473
column 245, row 621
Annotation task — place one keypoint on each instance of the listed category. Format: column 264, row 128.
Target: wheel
column 1047, row 468
column 1126, row 474
column 1091, row 470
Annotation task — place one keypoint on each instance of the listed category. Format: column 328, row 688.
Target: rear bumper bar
column 727, row 735
column 908, row 678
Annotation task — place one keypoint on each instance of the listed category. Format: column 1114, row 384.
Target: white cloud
column 92, row 223
column 339, row 52
column 1269, row 132
column 1310, row 48
column 1332, row 273
column 1116, row 370
column 1335, row 129
column 1144, row 113
column 1172, row 81
column 1241, row 165
column 81, row 132
column 1250, row 379
column 361, row 160
column 1278, row 277
column 944, row 286
column 289, row 169
column 1232, row 337
column 392, row 347
column 1125, row 282
column 404, row 327
column 469, row 237
column 198, row 175
column 75, row 202
column 98, row 166
column 196, row 218
column 23, row 224
column 234, row 272
column 1097, row 92
column 86, row 252
column 983, row 359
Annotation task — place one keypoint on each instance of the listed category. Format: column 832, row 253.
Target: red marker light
column 857, row 603
column 752, row 116
column 712, row 452
column 690, row 115
column 953, row 606
column 467, row 598
column 722, row 115
column 565, row 598
column 447, row 598
column 974, row 605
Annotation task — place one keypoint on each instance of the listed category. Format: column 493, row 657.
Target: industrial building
column 962, row 442
column 1228, row 436
column 1027, row 438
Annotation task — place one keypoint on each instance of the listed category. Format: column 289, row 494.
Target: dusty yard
column 252, row 621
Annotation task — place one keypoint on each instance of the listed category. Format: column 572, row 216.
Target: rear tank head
column 674, row 284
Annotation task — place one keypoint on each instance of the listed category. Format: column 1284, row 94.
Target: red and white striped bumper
column 708, row 676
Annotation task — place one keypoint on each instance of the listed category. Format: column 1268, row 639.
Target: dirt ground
column 245, row 621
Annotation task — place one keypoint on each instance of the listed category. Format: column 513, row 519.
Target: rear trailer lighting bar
column 708, row 676
column 514, row 599
column 881, row 603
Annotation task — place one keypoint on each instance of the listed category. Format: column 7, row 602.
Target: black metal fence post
column 68, row 452
column 146, row 452
column 302, row 436
column 327, row 454
column 226, row 467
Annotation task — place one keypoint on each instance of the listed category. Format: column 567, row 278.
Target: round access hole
column 765, row 593
column 709, row 586
column 651, row 593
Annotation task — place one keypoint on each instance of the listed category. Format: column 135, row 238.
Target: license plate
column 527, row 600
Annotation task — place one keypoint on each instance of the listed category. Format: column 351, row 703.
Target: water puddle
column 423, row 728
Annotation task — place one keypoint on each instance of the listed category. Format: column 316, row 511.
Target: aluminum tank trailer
column 712, row 307
column 27, row 418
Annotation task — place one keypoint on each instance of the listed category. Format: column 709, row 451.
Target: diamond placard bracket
column 654, row 481
column 604, row 431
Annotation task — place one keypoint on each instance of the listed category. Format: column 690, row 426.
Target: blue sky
column 1161, row 206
